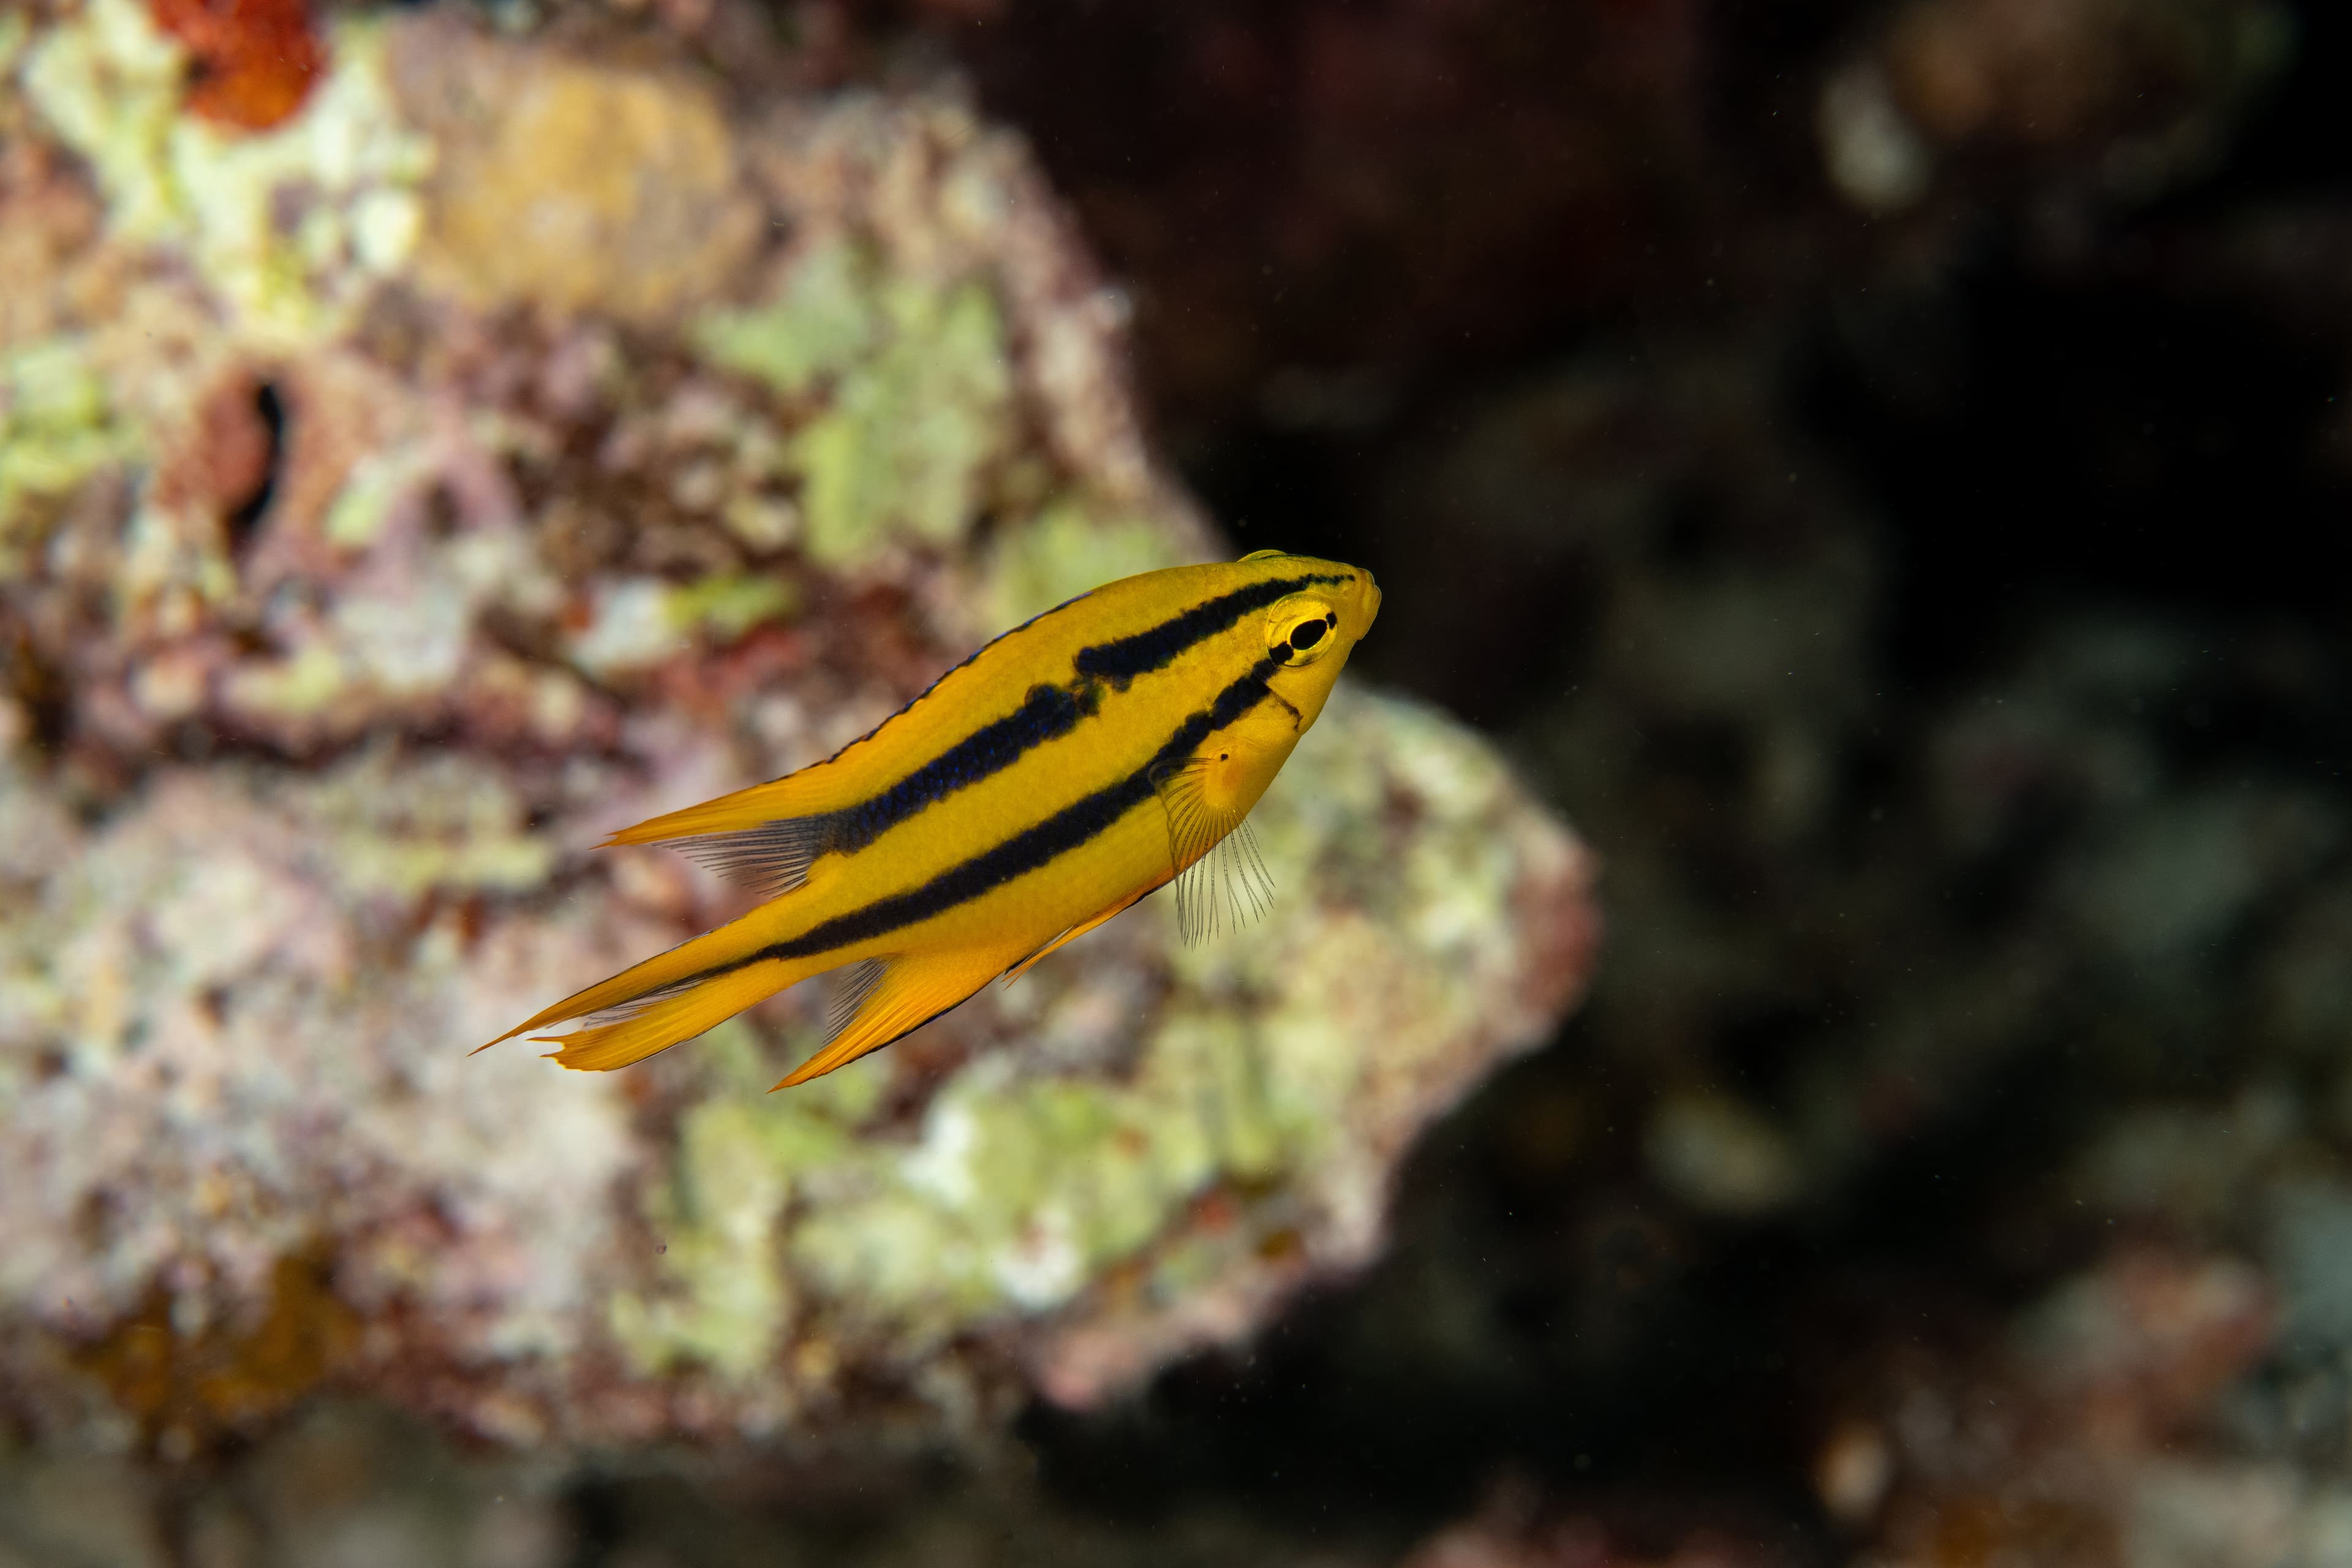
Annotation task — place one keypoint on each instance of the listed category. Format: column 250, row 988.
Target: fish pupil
column 1306, row 634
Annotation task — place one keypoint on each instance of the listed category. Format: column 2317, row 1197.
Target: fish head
column 1307, row 635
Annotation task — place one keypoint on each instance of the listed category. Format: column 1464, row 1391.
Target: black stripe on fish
column 1155, row 648
column 1048, row 713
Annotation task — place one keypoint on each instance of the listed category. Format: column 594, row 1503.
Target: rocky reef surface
column 513, row 438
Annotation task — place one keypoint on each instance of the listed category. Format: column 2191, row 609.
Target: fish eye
column 1299, row 630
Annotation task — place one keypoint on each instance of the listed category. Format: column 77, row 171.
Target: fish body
column 1073, row 765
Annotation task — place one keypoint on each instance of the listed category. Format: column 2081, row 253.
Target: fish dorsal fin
column 763, row 837
column 1220, row 878
column 768, row 859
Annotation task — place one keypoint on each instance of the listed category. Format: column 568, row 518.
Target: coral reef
column 510, row 442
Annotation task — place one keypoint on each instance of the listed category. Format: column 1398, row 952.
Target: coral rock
column 507, row 445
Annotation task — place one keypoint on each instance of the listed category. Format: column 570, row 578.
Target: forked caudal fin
column 875, row 1001
column 671, row 997
column 635, row 1030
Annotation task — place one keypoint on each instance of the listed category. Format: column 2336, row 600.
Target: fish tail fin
column 882, row 999
column 636, row 1030
column 685, row 970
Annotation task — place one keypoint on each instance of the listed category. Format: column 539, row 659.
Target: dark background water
column 2032, row 405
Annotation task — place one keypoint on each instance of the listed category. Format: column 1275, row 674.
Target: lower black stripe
column 1026, row 851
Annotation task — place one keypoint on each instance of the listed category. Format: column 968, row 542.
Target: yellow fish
column 1071, row 766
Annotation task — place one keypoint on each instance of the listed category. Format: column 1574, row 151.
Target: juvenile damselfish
column 1073, row 765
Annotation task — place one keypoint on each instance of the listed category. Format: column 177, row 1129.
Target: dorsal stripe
column 1048, row 713
column 1155, row 648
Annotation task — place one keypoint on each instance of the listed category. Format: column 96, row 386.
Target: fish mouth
column 1368, row 592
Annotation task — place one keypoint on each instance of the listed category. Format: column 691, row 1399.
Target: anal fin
column 890, row 997
column 1071, row 935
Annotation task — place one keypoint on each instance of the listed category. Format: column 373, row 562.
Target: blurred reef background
column 1879, row 471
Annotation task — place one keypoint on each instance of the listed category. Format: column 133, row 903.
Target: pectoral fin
column 1221, row 878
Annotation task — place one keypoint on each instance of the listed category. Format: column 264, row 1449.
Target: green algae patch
column 1017, row 1193
column 823, row 319
column 904, row 450
column 916, row 387
column 728, row 605
column 355, row 517
column 719, row 1299
column 107, row 82
column 57, row 427
column 300, row 687
column 722, row 1302
column 290, row 227
column 1065, row 550
column 16, row 32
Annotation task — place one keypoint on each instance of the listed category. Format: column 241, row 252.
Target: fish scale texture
column 366, row 557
